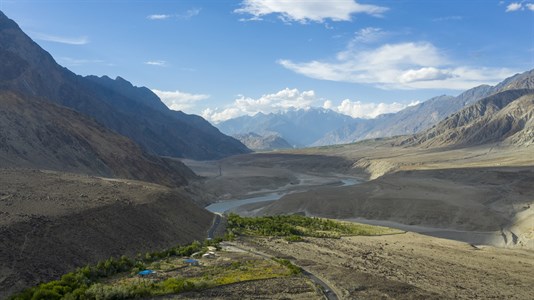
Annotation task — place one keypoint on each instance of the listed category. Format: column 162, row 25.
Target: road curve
column 327, row 290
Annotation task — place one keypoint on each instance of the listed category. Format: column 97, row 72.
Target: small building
column 210, row 254
column 145, row 273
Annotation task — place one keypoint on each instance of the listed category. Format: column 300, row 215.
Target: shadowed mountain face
column 504, row 117
column 133, row 112
column 39, row 134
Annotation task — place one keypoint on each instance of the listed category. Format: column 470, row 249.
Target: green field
column 294, row 227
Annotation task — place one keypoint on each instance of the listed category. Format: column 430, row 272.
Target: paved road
column 214, row 226
column 327, row 290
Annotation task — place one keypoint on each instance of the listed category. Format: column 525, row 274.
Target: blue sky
column 222, row 59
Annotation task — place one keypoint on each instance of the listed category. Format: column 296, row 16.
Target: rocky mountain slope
column 410, row 120
column 506, row 117
column 39, row 134
column 257, row 142
column 133, row 112
column 51, row 119
column 52, row 223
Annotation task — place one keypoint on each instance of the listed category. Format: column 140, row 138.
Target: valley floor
column 480, row 195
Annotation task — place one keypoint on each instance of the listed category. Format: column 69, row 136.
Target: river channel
column 225, row 205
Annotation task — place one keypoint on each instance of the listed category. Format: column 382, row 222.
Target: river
column 225, row 205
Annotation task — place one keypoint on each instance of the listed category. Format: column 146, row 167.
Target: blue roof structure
column 146, row 272
column 191, row 261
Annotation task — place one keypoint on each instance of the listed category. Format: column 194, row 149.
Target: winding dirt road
column 328, row 291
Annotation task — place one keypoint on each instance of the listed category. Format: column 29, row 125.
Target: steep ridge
column 424, row 115
column 39, row 134
column 519, row 81
column 134, row 112
column 410, row 120
column 503, row 117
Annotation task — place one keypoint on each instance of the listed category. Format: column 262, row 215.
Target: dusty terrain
column 54, row 222
column 482, row 195
column 276, row 288
column 409, row 266
column 472, row 200
column 252, row 174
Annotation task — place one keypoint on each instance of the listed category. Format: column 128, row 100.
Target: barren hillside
column 52, row 223
column 38, row 134
column 503, row 117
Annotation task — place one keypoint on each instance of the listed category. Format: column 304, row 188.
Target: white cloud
column 398, row 66
column 184, row 16
column 158, row 63
column 177, row 100
column 425, row 74
column 328, row 104
column 159, row 17
column 358, row 109
column 282, row 100
column 190, row 13
column 288, row 99
column 530, row 6
column 369, row 35
column 514, row 6
column 306, row 11
column 61, row 39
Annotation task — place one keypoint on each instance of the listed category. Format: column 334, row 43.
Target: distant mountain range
column 137, row 113
column 300, row 128
column 318, row 127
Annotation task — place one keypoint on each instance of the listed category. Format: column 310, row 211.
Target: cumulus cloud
column 530, row 6
column 514, row 6
column 407, row 65
column 288, row 99
column 177, row 100
column 282, row 100
column 158, row 63
column 61, row 39
column 328, row 104
column 308, row 11
column 358, row 109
